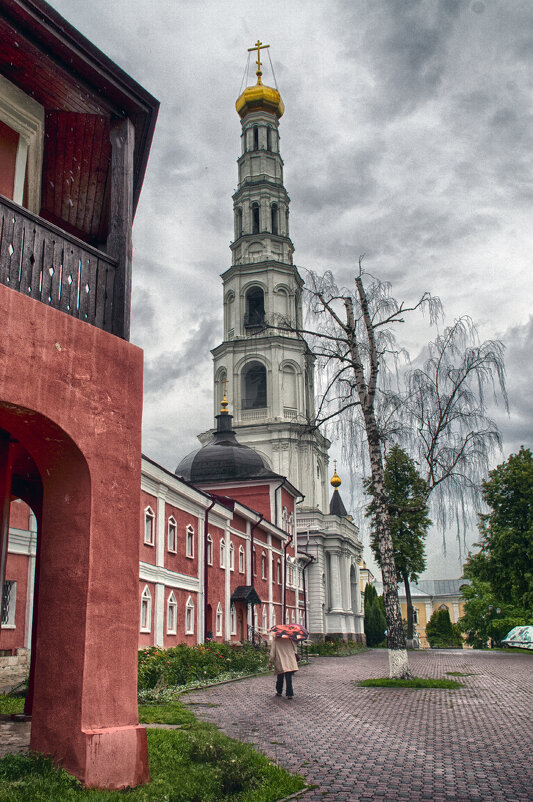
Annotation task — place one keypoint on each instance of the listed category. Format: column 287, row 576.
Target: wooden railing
column 44, row 262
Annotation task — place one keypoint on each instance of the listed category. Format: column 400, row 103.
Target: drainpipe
column 206, row 573
column 252, row 560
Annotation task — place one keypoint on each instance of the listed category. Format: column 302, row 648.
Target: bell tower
column 265, row 365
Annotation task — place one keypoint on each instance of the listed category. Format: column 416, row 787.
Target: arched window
column 254, row 564
column 189, row 617
column 146, row 610
column 264, row 620
column 233, row 620
column 255, row 218
column 255, row 307
column 293, row 616
column 172, row 614
column 273, row 617
column 172, row 534
column 149, row 519
column 279, row 571
column 238, row 223
column 269, row 138
column 256, row 137
column 263, row 566
column 218, row 620
column 231, row 556
column 209, row 550
column 289, row 387
column 274, row 217
column 241, row 559
column 189, row 541
column 222, row 553
column 254, row 390
column 284, row 519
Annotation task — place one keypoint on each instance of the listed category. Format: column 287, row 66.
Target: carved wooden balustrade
column 46, row 263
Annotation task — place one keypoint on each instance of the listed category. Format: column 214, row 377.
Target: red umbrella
column 293, row 631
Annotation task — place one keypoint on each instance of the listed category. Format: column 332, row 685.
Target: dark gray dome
column 222, row 459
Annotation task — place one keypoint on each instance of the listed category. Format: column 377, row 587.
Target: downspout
column 252, row 561
column 206, row 573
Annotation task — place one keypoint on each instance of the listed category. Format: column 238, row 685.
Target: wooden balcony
column 44, row 262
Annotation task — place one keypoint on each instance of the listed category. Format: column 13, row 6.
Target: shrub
column 375, row 622
column 441, row 633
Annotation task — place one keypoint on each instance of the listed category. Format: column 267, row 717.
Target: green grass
column 459, row 674
column 195, row 763
column 11, row 704
column 416, row 682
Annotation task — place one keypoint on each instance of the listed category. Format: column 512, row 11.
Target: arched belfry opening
column 255, row 218
column 254, row 386
column 255, row 307
column 274, row 218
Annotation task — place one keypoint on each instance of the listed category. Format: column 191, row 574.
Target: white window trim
column 146, row 601
column 233, row 620
column 222, row 550
column 219, row 620
column 209, row 550
column 263, row 565
column 149, row 513
column 189, row 538
column 242, row 561
column 189, row 614
column 172, row 604
column 231, row 556
column 172, row 523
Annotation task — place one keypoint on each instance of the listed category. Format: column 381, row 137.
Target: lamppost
column 491, row 614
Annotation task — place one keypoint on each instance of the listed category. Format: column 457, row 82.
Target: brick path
column 470, row 745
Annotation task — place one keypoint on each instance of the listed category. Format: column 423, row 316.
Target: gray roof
column 442, row 587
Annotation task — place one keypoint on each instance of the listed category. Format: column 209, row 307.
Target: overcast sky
column 406, row 137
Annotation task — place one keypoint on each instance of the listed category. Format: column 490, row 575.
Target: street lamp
column 491, row 612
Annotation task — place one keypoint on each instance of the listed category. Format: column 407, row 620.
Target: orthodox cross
column 224, row 402
column 258, row 46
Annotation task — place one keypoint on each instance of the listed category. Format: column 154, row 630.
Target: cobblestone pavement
column 470, row 745
column 383, row 744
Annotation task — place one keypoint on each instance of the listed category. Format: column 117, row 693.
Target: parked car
column 522, row 637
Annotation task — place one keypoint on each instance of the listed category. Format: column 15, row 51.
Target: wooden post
column 6, row 469
column 119, row 243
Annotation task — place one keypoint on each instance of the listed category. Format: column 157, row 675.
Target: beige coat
column 283, row 655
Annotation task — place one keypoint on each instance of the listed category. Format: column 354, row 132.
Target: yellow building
column 429, row 595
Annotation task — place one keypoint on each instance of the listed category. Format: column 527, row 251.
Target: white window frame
column 263, row 565
column 242, row 564
column 222, row 553
column 209, row 550
column 273, row 617
column 231, row 556
column 172, row 526
column 279, row 570
column 264, row 620
column 149, row 516
column 219, row 620
column 172, row 614
column 189, row 616
column 146, row 607
column 189, row 541
column 233, row 620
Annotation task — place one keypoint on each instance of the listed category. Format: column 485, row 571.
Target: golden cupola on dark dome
column 259, row 97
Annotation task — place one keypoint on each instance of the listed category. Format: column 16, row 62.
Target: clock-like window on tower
column 255, row 218
column 274, row 213
column 255, row 308
column 254, row 390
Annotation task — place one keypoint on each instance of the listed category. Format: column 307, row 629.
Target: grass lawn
column 416, row 682
column 193, row 763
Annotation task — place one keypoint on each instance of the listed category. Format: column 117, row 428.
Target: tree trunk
column 410, row 617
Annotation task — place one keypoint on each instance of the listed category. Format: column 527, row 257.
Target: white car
column 519, row 636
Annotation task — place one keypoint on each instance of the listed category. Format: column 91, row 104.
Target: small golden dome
column 260, row 98
column 335, row 480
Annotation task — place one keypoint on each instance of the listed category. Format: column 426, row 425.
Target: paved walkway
column 470, row 745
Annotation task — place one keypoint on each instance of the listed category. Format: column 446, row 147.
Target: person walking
column 283, row 659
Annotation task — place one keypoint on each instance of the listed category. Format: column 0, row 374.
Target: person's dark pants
column 288, row 683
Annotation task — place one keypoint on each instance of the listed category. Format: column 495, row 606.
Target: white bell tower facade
column 265, row 368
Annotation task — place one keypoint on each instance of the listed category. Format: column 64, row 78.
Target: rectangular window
column 172, row 535
column 149, row 526
column 189, row 542
column 9, row 601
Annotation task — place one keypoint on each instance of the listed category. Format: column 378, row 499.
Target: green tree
column 406, row 494
column 505, row 559
column 480, row 624
column 375, row 622
column 441, row 633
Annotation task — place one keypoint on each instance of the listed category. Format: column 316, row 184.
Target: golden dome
column 260, row 98
column 335, row 480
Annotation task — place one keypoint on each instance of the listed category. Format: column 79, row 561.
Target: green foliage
column 196, row 764
column 184, row 666
column 406, row 494
column 416, row 682
column 505, row 559
column 375, row 622
column 479, row 625
column 335, row 648
column 441, row 633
